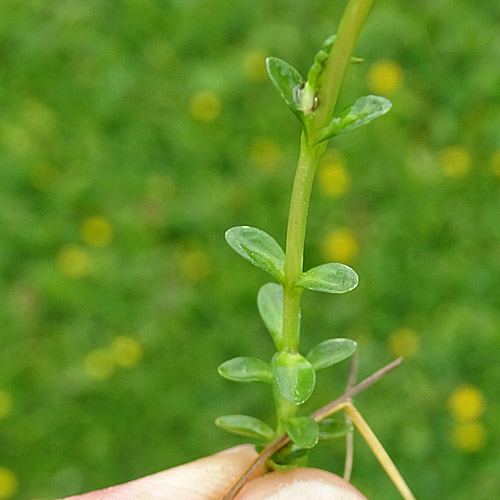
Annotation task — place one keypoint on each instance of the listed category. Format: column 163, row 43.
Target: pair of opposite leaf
column 294, row 374
column 301, row 95
column 304, row 432
column 263, row 251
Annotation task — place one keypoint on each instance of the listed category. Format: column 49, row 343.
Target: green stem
column 296, row 232
column 310, row 153
column 336, row 67
column 284, row 410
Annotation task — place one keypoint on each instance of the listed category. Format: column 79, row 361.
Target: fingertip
column 313, row 484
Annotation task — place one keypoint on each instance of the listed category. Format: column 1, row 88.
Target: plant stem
column 336, row 67
column 296, row 233
column 284, row 410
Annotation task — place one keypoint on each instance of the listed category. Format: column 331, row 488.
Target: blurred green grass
column 134, row 133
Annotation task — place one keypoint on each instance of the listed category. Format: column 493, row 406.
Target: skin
column 208, row 478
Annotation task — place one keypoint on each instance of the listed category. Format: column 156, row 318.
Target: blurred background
column 133, row 133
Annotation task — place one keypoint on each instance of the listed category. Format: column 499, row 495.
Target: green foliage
column 246, row 369
column 243, row 425
column 288, row 81
column 294, row 376
column 316, row 70
column 259, row 248
column 329, row 278
column 330, row 352
column 290, row 458
column 363, row 111
column 303, row 431
column 309, row 89
column 270, row 305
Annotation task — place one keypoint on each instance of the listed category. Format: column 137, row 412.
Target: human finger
column 203, row 479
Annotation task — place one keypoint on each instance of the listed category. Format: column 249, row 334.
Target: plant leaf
column 303, row 431
column 259, row 248
column 243, row 425
column 270, row 305
column 294, row 376
column 363, row 111
column 246, row 369
column 332, row 429
column 288, row 458
column 283, row 465
column 329, row 278
column 330, row 352
column 294, row 452
column 288, row 81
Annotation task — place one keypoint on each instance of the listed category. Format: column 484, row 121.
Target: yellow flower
column 455, row 161
column 74, row 262
column 5, row 404
column 468, row 436
column 96, row 232
column 44, row 175
column 126, row 351
column 334, row 180
column 404, row 342
column 265, row 154
column 195, row 265
column 99, row 364
column 254, row 65
column 495, row 163
column 8, row 483
column 205, row 106
column 385, row 77
column 340, row 246
column 466, row 403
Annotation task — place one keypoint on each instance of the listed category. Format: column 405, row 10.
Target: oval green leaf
column 303, row 431
column 363, row 111
column 330, row 352
column 243, row 425
column 294, row 376
column 332, row 429
column 329, row 278
column 246, row 369
column 288, row 81
column 270, row 305
column 259, row 248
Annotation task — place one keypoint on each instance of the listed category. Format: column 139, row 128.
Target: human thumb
column 300, row 484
